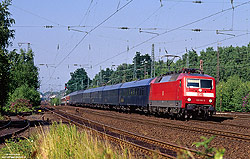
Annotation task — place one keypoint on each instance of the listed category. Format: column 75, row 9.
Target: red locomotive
column 186, row 94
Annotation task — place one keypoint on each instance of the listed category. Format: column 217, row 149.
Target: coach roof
column 73, row 93
column 94, row 89
column 139, row 83
column 112, row 87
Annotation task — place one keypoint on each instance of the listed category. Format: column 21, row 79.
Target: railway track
column 225, row 134
column 225, row 124
column 12, row 128
column 235, row 115
column 5, row 124
column 146, row 145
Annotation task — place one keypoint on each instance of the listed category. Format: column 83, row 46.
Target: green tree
column 103, row 77
column 4, row 79
column 79, row 81
column 6, row 22
column 6, row 35
column 142, row 64
column 23, row 71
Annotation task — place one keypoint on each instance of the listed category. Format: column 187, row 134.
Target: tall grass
column 65, row 142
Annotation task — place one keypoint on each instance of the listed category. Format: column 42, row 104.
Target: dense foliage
column 55, row 101
column 6, row 35
column 6, row 22
column 233, row 95
column 4, row 79
column 23, row 71
column 26, row 92
column 79, row 80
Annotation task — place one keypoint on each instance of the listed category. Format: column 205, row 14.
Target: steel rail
column 6, row 125
column 10, row 134
column 225, row 134
column 225, row 124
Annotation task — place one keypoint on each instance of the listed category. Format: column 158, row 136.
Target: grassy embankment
column 63, row 141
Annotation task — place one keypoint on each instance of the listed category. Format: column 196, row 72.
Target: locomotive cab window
column 206, row 84
column 199, row 83
column 193, row 83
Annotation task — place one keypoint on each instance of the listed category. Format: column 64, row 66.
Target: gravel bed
column 234, row 148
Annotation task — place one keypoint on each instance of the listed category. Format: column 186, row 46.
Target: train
column 186, row 94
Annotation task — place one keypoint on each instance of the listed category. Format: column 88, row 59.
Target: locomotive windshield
column 199, row 83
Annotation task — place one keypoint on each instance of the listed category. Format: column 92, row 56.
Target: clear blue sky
column 52, row 45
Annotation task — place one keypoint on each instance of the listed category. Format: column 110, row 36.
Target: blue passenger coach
column 96, row 95
column 135, row 93
column 111, row 95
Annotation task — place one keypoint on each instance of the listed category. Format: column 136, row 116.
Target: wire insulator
column 198, row 30
column 197, row 2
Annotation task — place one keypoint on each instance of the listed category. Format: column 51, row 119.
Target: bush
column 25, row 92
column 55, row 101
column 21, row 105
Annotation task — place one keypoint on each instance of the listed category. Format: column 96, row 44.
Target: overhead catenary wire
column 87, row 11
column 41, row 17
column 122, row 7
column 69, row 27
column 196, row 1
column 171, row 30
column 92, row 31
column 215, row 42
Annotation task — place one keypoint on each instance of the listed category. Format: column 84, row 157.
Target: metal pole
column 218, row 66
column 153, row 61
column 82, row 84
column 187, row 65
column 135, row 68
column 88, row 82
column 100, row 75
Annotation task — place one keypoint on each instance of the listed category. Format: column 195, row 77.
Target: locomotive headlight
column 189, row 99
column 210, row 100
